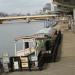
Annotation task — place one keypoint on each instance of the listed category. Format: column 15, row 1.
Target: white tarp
column 46, row 30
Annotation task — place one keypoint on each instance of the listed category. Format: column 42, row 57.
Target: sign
column 34, row 58
column 16, row 66
column 24, row 65
column 24, row 59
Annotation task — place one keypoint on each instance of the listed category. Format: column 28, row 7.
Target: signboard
column 34, row 58
column 24, row 65
column 16, row 66
column 24, row 59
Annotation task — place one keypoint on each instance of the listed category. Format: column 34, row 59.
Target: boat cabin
column 36, row 47
column 32, row 45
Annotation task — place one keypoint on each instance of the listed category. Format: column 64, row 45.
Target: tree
column 28, row 14
column 47, row 7
column 3, row 14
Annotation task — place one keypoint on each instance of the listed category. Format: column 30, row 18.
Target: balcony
column 69, row 3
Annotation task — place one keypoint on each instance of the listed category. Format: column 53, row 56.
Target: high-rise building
column 50, row 7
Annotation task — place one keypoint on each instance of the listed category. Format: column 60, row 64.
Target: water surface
column 9, row 31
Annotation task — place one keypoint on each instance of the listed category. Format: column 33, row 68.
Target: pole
column 15, row 48
column 74, row 20
column 23, row 45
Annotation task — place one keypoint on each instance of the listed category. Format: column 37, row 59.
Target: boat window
column 26, row 45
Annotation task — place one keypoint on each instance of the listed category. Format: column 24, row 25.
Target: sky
column 22, row 6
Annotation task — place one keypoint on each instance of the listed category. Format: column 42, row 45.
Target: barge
column 37, row 49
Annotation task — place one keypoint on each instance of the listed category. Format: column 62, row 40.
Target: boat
column 35, row 46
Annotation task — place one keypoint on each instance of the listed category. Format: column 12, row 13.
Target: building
column 50, row 7
column 68, row 4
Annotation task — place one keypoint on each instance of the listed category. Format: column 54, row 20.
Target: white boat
column 34, row 44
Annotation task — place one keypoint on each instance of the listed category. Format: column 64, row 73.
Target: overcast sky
column 21, row 6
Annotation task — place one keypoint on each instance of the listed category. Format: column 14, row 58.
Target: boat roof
column 38, row 36
column 42, row 34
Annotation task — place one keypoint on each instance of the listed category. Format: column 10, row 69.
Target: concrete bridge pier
column 27, row 20
column 46, row 23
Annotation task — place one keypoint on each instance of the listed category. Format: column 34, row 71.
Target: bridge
column 27, row 18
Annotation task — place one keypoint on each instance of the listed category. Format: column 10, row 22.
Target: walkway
column 68, row 47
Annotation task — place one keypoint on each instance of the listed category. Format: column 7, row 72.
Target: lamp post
column 74, row 20
column 15, row 46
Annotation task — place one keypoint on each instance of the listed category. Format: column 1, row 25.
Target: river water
column 10, row 30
